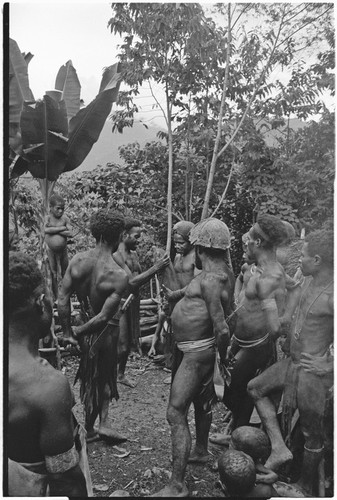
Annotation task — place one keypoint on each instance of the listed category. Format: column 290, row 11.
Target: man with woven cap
column 199, row 326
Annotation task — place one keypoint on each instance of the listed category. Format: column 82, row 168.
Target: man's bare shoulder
column 54, row 389
column 43, row 384
column 110, row 277
column 209, row 279
column 270, row 280
column 82, row 262
column 118, row 257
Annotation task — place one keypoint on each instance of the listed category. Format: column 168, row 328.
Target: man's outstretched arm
column 137, row 281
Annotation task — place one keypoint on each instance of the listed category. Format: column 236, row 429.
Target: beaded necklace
column 298, row 330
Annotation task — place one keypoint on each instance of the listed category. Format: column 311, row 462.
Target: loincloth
column 27, row 480
column 206, row 396
column 254, row 345
column 298, row 379
column 94, row 373
column 250, row 343
column 196, row 345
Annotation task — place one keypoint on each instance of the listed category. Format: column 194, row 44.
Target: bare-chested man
column 184, row 269
column 247, row 269
column 127, row 258
column 184, row 261
column 198, row 322
column 258, row 324
column 307, row 375
column 100, row 284
column 40, row 441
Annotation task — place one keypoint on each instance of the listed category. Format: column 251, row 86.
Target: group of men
column 199, row 285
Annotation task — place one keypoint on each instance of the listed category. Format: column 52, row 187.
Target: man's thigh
column 311, row 400
column 189, row 376
column 272, row 379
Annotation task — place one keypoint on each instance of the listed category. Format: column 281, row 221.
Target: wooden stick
column 321, row 478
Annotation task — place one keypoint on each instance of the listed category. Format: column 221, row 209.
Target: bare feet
column 109, row 434
column 121, row 379
column 197, row 457
column 278, row 458
column 92, row 436
column 220, row 439
column 172, row 491
column 289, row 490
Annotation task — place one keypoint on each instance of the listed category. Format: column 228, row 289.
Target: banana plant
column 53, row 135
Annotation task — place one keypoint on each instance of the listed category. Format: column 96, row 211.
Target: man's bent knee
column 254, row 389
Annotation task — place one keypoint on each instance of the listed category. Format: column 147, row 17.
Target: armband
column 62, row 462
column 269, row 304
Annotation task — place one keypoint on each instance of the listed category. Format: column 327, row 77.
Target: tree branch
column 303, row 26
column 256, row 88
column 225, row 190
column 160, row 106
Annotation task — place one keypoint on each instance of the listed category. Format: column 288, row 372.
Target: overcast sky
column 55, row 32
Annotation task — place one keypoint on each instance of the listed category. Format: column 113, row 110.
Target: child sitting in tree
column 57, row 230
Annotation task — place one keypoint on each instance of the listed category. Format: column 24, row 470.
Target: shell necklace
column 298, row 329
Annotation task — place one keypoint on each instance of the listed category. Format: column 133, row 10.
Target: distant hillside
column 106, row 148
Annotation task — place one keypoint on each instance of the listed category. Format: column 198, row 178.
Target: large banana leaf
column 86, row 126
column 36, row 119
column 19, row 90
column 46, row 160
column 44, row 130
column 68, row 82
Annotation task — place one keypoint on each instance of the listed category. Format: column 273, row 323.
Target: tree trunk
column 169, row 177
column 205, row 208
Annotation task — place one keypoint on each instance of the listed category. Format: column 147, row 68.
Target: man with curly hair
column 99, row 283
column 306, row 376
column 127, row 258
column 40, row 433
column 258, row 324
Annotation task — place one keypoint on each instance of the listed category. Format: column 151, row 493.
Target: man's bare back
column 96, row 275
column 34, row 386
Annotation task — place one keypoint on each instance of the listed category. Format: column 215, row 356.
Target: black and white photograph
column 168, row 249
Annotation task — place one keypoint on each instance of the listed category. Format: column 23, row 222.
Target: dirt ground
column 141, row 466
